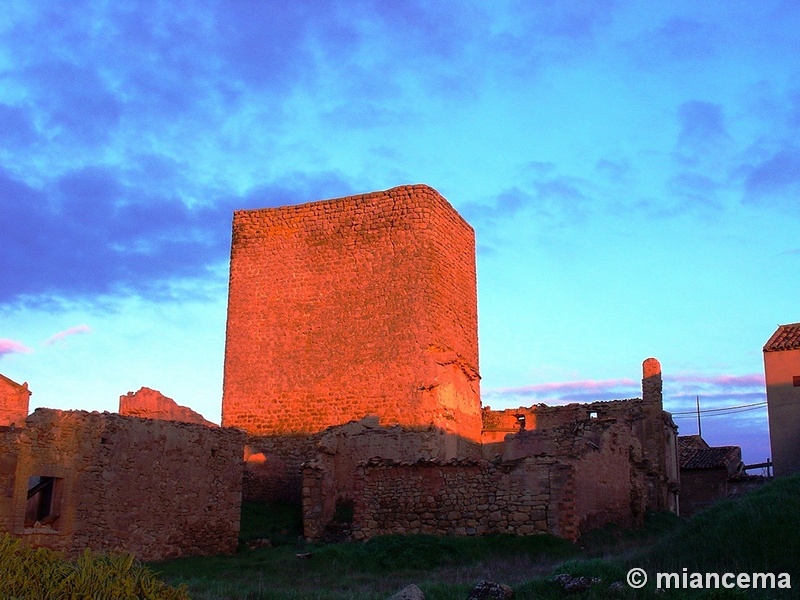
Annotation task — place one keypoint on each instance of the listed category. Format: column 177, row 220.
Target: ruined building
column 351, row 361
column 350, row 381
column 71, row 480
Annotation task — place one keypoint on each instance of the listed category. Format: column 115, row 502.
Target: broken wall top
column 152, row 404
column 14, row 402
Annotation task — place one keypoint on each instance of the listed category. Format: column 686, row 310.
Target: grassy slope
column 757, row 533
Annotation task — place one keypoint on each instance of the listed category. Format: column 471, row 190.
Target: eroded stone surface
column 152, row 404
column 340, row 309
column 14, row 398
column 158, row 489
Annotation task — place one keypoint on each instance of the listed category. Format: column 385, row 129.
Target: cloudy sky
column 632, row 171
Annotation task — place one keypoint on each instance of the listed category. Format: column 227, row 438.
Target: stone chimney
column 651, row 381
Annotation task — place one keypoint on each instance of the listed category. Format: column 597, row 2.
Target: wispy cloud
column 13, row 347
column 61, row 335
column 555, row 200
column 678, row 390
column 721, row 381
column 774, row 179
column 561, row 392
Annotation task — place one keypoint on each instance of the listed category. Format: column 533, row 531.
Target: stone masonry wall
column 155, row 488
column 565, row 481
column 357, row 306
column 463, row 498
column 273, row 464
column 644, row 417
column 14, row 400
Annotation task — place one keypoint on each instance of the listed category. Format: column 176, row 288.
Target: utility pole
column 699, row 429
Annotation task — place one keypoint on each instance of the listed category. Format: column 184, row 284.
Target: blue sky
column 631, row 169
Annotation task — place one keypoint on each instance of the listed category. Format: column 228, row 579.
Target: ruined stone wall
column 8, row 470
column 463, row 498
column 358, row 306
column 14, row 399
column 644, row 418
column 273, row 464
column 346, row 446
column 565, row 480
column 152, row 404
column 157, row 489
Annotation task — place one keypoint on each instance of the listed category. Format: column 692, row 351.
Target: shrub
column 42, row 574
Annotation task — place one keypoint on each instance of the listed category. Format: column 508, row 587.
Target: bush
column 42, row 574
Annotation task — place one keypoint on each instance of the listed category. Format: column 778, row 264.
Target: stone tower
column 357, row 306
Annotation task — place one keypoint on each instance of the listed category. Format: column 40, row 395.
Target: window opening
column 521, row 422
column 42, row 501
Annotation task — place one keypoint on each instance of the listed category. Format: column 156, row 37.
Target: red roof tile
column 786, row 337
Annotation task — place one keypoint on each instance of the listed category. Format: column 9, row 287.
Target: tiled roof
column 786, row 337
column 716, row 457
column 688, row 443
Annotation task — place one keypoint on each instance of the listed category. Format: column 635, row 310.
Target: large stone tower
column 340, row 309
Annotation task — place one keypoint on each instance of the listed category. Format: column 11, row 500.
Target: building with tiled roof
column 692, row 455
column 782, row 375
column 786, row 337
column 706, row 472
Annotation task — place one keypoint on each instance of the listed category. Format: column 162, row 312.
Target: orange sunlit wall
column 782, row 373
column 364, row 305
column 14, row 400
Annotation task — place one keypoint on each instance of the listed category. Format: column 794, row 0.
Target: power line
column 711, row 410
column 719, row 413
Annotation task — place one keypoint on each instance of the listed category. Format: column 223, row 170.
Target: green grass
column 757, row 533
column 281, row 522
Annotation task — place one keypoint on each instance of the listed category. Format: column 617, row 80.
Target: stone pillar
column 651, row 381
column 655, row 440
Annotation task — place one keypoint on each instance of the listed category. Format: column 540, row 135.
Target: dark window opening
column 43, row 500
column 796, row 381
column 521, row 422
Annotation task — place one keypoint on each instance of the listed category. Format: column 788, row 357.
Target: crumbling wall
column 467, row 497
column 8, row 470
column 152, row 404
column 565, row 481
column 346, row 446
column 657, row 455
column 155, row 488
column 357, row 306
column 14, row 399
column 273, row 464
